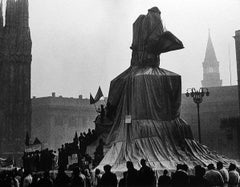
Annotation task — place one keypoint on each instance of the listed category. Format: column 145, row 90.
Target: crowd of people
column 78, row 147
column 39, row 160
column 86, row 139
column 144, row 177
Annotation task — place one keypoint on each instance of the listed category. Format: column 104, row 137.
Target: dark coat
column 164, row 181
column 108, row 180
column 180, row 179
column 77, row 182
column 146, row 177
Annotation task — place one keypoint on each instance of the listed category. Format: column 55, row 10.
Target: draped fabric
column 151, row 96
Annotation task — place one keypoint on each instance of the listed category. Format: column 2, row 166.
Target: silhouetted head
column 179, row 166
column 232, row 167
column 219, row 165
column 143, row 162
column 97, row 172
column 165, row 172
column 107, row 168
column 210, row 166
column 129, row 165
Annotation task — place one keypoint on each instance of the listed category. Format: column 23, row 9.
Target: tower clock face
column 210, row 70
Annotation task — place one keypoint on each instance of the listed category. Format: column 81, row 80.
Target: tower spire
column 210, row 54
column 211, row 75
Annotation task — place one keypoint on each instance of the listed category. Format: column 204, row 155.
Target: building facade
column 221, row 103
column 56, row 119
column 15, row 77
column 211, row 75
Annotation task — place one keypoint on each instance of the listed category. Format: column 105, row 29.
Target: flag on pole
column 92, row 101
column 98, row 95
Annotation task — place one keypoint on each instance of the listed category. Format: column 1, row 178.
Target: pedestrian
column 96, row 178
column 45, row 181
column 76, row 180
column 146, row 175
column 180, row 178
column 213, row 176
column 233, row 176
column 224, row 173
column 131, row 175
column 164, row 180
column 108, row 179
column 62, row 180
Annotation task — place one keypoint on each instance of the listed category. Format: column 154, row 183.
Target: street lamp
column 197, row 96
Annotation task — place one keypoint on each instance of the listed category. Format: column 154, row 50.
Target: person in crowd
column 164, row 180
column 122, row 181
column 108, row 179
column 27, row 181
column 213, row 177
column 96, row 178
column 36, row 178
column 13, row 177
column 224, row 173
column 83, row 143
column 132, row 175
column 46, row 181
column 102, row 113
column 233, row 176
column 62, row 180
column 198, row 179
column 180, row 178
column 76, row 180
column 146, row 175
column 88, row 177
column 98, row 154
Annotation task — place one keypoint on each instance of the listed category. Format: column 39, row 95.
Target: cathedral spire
column 210, row 55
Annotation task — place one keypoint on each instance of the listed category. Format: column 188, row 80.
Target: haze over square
column 79, row 45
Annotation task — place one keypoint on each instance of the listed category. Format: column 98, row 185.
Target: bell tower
column 211, row 75
column 15, row 77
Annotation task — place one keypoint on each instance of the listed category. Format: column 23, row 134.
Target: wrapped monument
column 144, row 104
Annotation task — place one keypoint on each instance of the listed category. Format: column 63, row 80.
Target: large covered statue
column 144, row 105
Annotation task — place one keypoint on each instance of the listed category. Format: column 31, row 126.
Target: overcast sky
column 81, row 44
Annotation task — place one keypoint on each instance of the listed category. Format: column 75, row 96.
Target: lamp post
column 197, row 96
